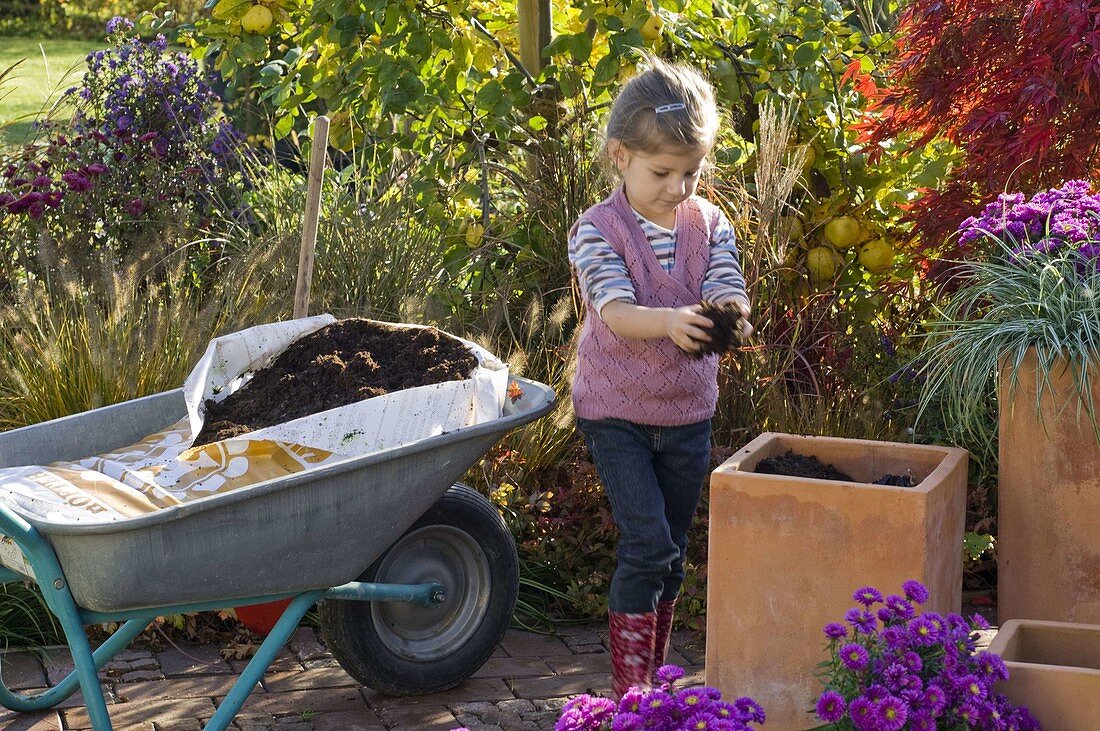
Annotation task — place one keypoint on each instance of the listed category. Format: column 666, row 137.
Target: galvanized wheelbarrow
column 417, row 577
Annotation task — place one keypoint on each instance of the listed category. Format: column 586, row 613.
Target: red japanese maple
column 1016, row 85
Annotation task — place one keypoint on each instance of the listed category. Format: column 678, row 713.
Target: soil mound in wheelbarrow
column 340, row 364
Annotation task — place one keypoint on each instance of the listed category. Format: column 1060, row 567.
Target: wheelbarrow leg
column 256, row 667
column 50, row 698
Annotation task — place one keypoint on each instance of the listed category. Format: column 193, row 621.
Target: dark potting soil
column 801, row 465
column 347, row 361
column 726, row 333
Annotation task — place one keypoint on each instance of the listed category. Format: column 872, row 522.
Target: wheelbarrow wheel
column 402, row 648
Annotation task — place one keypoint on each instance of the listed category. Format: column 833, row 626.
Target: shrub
column 144, row 162
column 1012, row 85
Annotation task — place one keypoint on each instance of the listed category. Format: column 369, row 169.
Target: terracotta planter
column 787, row 553
column 1048, row 547
column 1054, row 670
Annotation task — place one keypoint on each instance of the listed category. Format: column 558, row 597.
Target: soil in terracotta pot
column 801, row 465
column 726, row 333
column 347, row 361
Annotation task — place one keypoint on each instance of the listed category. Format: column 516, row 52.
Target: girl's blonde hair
column 688, row 116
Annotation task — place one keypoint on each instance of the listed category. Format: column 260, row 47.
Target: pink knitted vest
column 648, row 381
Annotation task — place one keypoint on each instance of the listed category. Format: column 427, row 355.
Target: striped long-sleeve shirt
column 603, row 277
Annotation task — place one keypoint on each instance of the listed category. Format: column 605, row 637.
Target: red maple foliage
column 1016, row 85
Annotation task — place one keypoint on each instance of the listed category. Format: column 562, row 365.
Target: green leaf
column 807, row 53
column 537, row 123
column 606, row 70
column 349, row 22
column 284, row 125
column 231, row 9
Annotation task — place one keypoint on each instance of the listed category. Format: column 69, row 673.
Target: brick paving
column 521, row 688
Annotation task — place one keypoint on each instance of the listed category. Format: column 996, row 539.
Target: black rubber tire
column 400, row 648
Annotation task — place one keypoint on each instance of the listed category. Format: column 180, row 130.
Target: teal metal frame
column 50, row 578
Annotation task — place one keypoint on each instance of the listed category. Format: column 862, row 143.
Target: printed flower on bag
column 892, row 669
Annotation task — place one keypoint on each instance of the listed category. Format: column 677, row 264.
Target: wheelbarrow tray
column 310, row 530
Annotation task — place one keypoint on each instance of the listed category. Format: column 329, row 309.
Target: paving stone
column 513, row 667
column 529, row 644
column 58, row 663
column 299, row 701
column 284, row 661
column 133, row 655
column 580, row 664
column 329, row 677
column 477, row 708
column 193, row 660
column 475, row 689
column 293, row 725
column 181, row 724
column 144, row 715
column 42, row 721
column 520, row 706
column 306, row 646
column 22, row 670
column 196, row 687
column 135, row 676
column 364, row 720
column 321, row 662
column 561, row 685
column 549, row 704
column 592, row 649
column 427, row 717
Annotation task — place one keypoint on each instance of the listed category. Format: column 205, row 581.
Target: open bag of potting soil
column 271, row 401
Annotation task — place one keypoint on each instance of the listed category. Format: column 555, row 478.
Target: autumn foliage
column 1014, row 85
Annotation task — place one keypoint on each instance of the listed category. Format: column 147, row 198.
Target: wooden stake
column 317, row 155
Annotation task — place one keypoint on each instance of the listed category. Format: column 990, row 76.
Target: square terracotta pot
column 787, row 553
column 1054, row 670
column 1048, row 547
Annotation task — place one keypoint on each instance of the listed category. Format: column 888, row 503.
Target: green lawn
column 50, row 67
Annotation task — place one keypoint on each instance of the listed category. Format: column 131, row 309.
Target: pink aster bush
column 663, row 708
column 892, row 668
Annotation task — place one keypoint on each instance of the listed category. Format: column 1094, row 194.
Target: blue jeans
column 653, row 476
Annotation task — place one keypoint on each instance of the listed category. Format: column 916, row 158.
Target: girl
column 644, row 259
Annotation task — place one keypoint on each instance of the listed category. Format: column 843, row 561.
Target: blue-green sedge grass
column 1004, row 307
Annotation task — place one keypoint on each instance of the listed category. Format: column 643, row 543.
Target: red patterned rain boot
column 632, row 637
column 663, row 635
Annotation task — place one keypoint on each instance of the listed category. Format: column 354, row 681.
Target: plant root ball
column 726, row 333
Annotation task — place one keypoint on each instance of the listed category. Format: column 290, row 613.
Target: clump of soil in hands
column 726, row 333
column 800, row 465
column 340, row 364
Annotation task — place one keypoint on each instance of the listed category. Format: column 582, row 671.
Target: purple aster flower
column 977, row 621
column 668, row 673
column 924, row 631
column 991, row 666
column 750, row 710
column 627, row 722
column 701, row 721
column 892, row 713
column 867, row 596
column 915, row 591
column 631, row 702
column 854, row 656
column 835, row 631
column 830, row 706
column 922, row 720
column 135, row 207
column 902, row 609
column 690, row 700
column 119, row 24
column 96, row 168
column 862, row 713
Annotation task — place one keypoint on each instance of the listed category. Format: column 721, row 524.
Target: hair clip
column 670, row 108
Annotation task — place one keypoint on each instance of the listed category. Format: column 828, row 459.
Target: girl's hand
column 687, row 328
column 746, row 326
